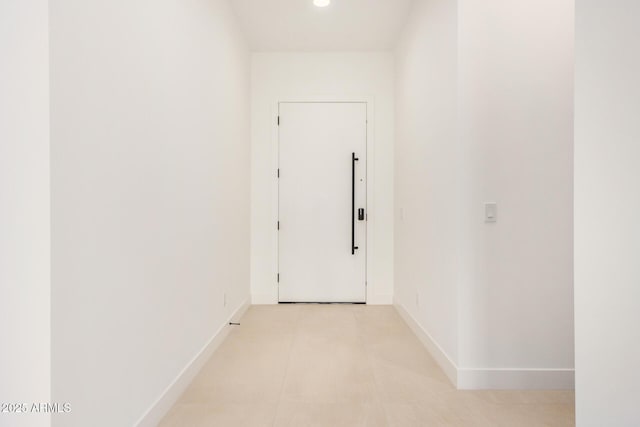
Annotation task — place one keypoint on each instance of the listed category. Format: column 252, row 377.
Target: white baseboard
column 264, row 299
column 516, row 379
column 173, row 392
column 490, row 379
column 380, row 299
column 444, row 361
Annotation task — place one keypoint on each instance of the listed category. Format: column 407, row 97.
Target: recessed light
column 321, row 3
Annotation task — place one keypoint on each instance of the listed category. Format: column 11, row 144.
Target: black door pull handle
column 354, row 159
column 361, row 214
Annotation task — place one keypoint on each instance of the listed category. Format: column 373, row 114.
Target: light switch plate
column 491, row 212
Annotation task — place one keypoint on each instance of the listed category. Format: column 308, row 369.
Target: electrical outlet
column 490, row 212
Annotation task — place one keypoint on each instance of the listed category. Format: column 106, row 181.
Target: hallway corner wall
column 515, row 117
column 427, row 176
column 25, row 367
column 607, row 208
column 485, row 114
column 150, row 158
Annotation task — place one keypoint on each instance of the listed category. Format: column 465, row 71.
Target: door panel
column 316, row 143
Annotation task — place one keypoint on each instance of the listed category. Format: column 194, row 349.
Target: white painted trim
column 173, row 392
column 371, row 214
column 376, row 299
column 275, row 203
column 263, row 299
column 516, row 379
column 490, row 378
column 444, row 361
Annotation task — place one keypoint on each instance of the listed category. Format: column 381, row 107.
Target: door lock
column 361, row 214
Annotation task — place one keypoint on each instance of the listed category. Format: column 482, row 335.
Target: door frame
column 369, row 101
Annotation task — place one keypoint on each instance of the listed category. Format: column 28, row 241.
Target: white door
column 322, row 202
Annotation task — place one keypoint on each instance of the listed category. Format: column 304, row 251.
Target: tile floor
column 344, row 365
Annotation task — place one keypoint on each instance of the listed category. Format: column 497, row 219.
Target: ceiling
column 298, row 25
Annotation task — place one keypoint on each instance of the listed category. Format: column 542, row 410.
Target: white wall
column 150, row 191
column 428, row 173
column 607, row 208
column 516, row 124
column 321, row 76
column 514, row 308
column 24, row 209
